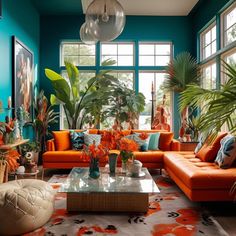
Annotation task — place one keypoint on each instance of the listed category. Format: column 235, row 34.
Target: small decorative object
column 135, row 168
column 94, row 153
column 113, row 160
column 30, row 166
column 127, row 147
column 20, row 170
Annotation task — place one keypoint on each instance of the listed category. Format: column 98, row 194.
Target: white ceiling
column 153, row 7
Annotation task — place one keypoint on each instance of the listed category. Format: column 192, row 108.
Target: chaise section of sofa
column 200, row 181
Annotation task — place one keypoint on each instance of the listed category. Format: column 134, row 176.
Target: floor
column 223, row 212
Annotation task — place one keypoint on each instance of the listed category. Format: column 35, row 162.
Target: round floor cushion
column 25, row 205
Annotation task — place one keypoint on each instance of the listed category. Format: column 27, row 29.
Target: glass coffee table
column 108, row 193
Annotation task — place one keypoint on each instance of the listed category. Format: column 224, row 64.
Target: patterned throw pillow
column 200, row 143
column 90, row 138
column 77, row 140
column 153, row 143
column 227, row 153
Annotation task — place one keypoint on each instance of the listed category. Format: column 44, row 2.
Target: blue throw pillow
column 143, row 144
column 77, row 140
column 153, row 143
column 227, row 153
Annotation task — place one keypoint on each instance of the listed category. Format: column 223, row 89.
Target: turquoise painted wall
column 22, row 21
column 148, row 28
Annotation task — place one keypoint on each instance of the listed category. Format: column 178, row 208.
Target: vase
column 112, row 162
column 94, row 168
column 124, row 167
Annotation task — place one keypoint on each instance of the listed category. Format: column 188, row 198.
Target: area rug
column 170, row 213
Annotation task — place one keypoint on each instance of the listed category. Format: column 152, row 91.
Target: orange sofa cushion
column 165, row 141
column 62, row 140
column 208, row 152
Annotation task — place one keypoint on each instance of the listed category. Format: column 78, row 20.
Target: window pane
column 109, row 49
column 70, row 49
column 162, row 60
column 213, row 47
column 125, row 49
column 207, row 51
column 163, row 49
column 146, row 60
column 209, row 77
column 208, row 38
column 231, row 34
column 87, row 49
column 71, row 59
column 213, row 33
column 87, row 61
column 231, row 59
column 146, row 49
column 125, row 61
column 231, row 18
column 127, row 79
column 213, row 78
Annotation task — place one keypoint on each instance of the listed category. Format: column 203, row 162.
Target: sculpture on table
column 160, row 118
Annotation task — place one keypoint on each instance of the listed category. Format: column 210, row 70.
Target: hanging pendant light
column 88, row 32
column 109, row 16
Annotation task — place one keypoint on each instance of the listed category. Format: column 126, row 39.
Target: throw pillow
column 153, row 143
column 227, row 153
column 91, row 138
column 62, row 140
column 200, row 144
column 77, row 140
column 143, row 144
column 208, row 152
column 165, row 140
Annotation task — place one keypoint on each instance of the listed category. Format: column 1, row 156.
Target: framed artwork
column 23, row 66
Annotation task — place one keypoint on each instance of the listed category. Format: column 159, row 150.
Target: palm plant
column 218, row 107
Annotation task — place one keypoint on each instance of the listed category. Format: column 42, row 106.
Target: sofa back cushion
column 165, row 141
column 62, row 140
column 208, row 152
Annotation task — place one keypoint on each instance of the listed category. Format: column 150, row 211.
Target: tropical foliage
column 218, row 107
column 183, row 70
column 89, row 105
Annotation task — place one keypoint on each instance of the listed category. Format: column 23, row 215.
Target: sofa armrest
column 50, row 145
column 175, row 145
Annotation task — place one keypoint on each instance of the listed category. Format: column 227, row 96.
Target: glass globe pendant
column 109, row 16
column 88, row 32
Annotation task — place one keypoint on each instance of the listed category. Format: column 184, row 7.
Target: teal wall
column 148, row 28
column 22, row 21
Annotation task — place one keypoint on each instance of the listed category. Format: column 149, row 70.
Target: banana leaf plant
column 75, row 102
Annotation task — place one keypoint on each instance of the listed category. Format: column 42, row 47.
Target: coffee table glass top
column 79, row 181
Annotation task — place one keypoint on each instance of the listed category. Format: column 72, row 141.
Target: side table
column 26, row 174
column 188, row 146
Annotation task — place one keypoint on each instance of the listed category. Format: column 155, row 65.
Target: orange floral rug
column 170, row 213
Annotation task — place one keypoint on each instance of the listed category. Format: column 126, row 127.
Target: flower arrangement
column 143, row 136
column 12, row 157
column 127, row 147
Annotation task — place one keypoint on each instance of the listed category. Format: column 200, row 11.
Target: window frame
column 117, row 55
column 62, row 43
column 202, row 46
column 223, row 25
column 154, row 55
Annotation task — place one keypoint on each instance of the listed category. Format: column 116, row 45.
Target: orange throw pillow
column 62, row 140
column 208, row 152
column 165, row 141
column 93, row 131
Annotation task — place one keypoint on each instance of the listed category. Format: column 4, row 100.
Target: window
column 154, row 54
column 208, row 42
column 126, row 77
column 122, row 53
column 78, row 53
column 146, row 79
column 230, row 58
column 209, row 76
column 84, row 77
column 229, row 25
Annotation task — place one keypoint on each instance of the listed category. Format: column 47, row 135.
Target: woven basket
column 3, row 171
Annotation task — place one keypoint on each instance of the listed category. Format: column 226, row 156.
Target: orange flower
column 128, row 145
column 93, row 151
column 143, row 136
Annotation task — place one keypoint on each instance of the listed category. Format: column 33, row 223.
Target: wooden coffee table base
column 108, row 202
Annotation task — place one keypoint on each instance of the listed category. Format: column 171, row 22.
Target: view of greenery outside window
column 229, row 57
column 126, row 77
column 209, row 76
column 122, row 53
column 146, row 78
column 208, row 41
column 154, row 54
column 229, row 25
column 78, row 53
column 85, row 76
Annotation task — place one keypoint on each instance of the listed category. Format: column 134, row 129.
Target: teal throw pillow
column 77, row 140
column 91, row 138
column 153, row 143
column 227, row 153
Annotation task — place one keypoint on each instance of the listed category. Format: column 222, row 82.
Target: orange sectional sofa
column 199, row 180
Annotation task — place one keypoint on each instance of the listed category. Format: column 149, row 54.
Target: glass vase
column 124, row 167
column 94, row 168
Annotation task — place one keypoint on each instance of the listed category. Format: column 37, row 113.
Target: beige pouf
column 25, row 205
